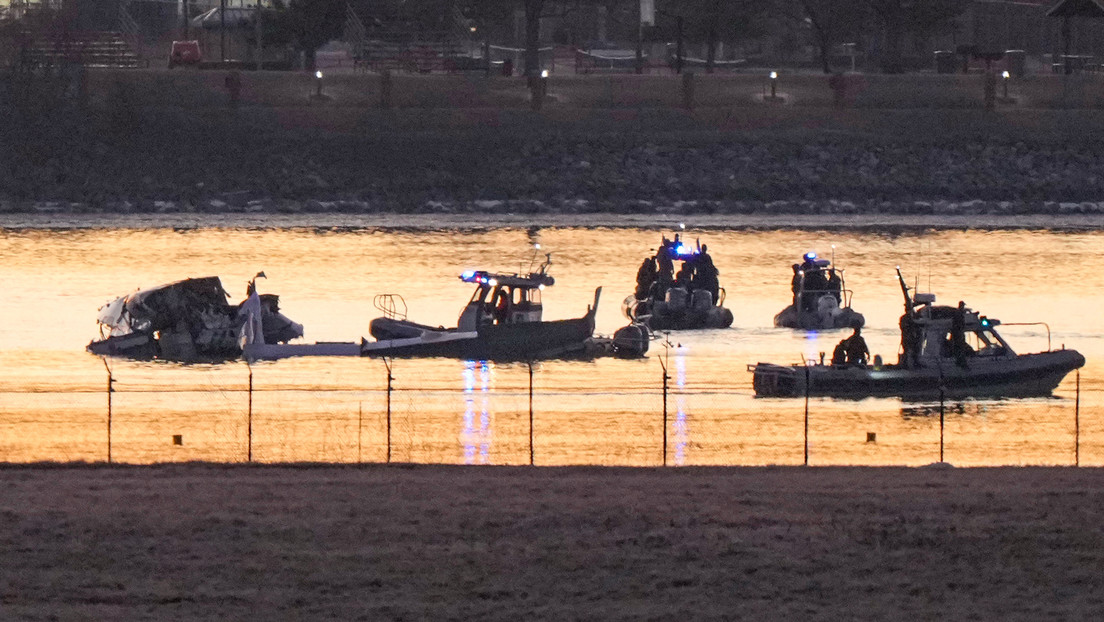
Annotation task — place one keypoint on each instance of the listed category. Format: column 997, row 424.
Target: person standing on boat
column 666, row 274
column 911, row 337
column 958, row 335
column 835, row 285
column 645, row 277
column 706, row 274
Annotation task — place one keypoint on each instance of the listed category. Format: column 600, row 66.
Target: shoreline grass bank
column 205, row 542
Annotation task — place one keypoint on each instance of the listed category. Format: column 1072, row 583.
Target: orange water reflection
column 603, row 412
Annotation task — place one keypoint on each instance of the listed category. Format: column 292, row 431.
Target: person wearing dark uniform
column 645, row 277
column 705, row 274
column 958, row 335
column 911, row 337
column 854, row 350
column 835, row 285
column 666, row 274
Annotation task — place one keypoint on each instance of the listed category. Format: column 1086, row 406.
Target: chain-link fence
column 394, row 411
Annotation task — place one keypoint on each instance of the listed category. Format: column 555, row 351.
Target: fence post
column 531, row 457
column 1077, row 423
column 110, row 390
column 249, row 430
column 806, row 414
column 387, row 364
column 941, row 421
column 663, row 365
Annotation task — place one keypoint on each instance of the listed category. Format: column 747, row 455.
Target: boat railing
column 391, row 305
column 1044, row 324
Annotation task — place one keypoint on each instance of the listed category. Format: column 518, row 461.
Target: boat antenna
column 833, row 255
column 929, row 265
column 533, row 259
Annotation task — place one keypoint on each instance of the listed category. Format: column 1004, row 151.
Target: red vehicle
column 184, row 53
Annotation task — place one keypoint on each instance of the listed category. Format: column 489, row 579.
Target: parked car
column 184, row 53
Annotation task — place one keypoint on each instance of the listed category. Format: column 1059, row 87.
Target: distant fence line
column 531, row 425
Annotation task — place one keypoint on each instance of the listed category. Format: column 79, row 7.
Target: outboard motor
column 631, row 340
column 701, row 300
column 676, row 299
column 827, row 310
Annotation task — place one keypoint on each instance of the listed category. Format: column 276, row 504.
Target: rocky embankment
column 238, row 172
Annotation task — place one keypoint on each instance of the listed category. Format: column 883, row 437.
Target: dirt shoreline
column 206, row 542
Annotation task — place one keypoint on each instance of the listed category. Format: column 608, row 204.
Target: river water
column 54, row 399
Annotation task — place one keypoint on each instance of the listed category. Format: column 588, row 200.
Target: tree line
column 825, row 24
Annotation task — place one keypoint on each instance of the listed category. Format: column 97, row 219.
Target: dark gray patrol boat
column 978, row 363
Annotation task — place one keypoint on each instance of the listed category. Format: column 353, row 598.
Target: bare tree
column 713, row 21
column 920, row 18
column 831, row 21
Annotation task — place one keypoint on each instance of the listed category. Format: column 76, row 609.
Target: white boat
column 938, row 359
column 502, row 321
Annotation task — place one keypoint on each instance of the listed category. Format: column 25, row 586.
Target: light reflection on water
column 602, row 412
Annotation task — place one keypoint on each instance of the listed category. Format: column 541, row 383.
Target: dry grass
column 195, row 542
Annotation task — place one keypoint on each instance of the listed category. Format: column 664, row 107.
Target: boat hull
column 791, row 317
column 660, row 315
column 516, row 342
column 1026, row 375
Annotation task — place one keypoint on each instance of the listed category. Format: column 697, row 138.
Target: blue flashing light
column 467, row 275
column 810, row 256
column 985, row 321
column 682, row 251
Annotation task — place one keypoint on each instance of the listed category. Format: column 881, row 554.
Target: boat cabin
column 936, row 339
column 503, row 298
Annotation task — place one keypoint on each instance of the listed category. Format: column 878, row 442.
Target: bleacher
column 89, row 49
column 415, row 56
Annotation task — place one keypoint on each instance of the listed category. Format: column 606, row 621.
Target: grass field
column 195, row 542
